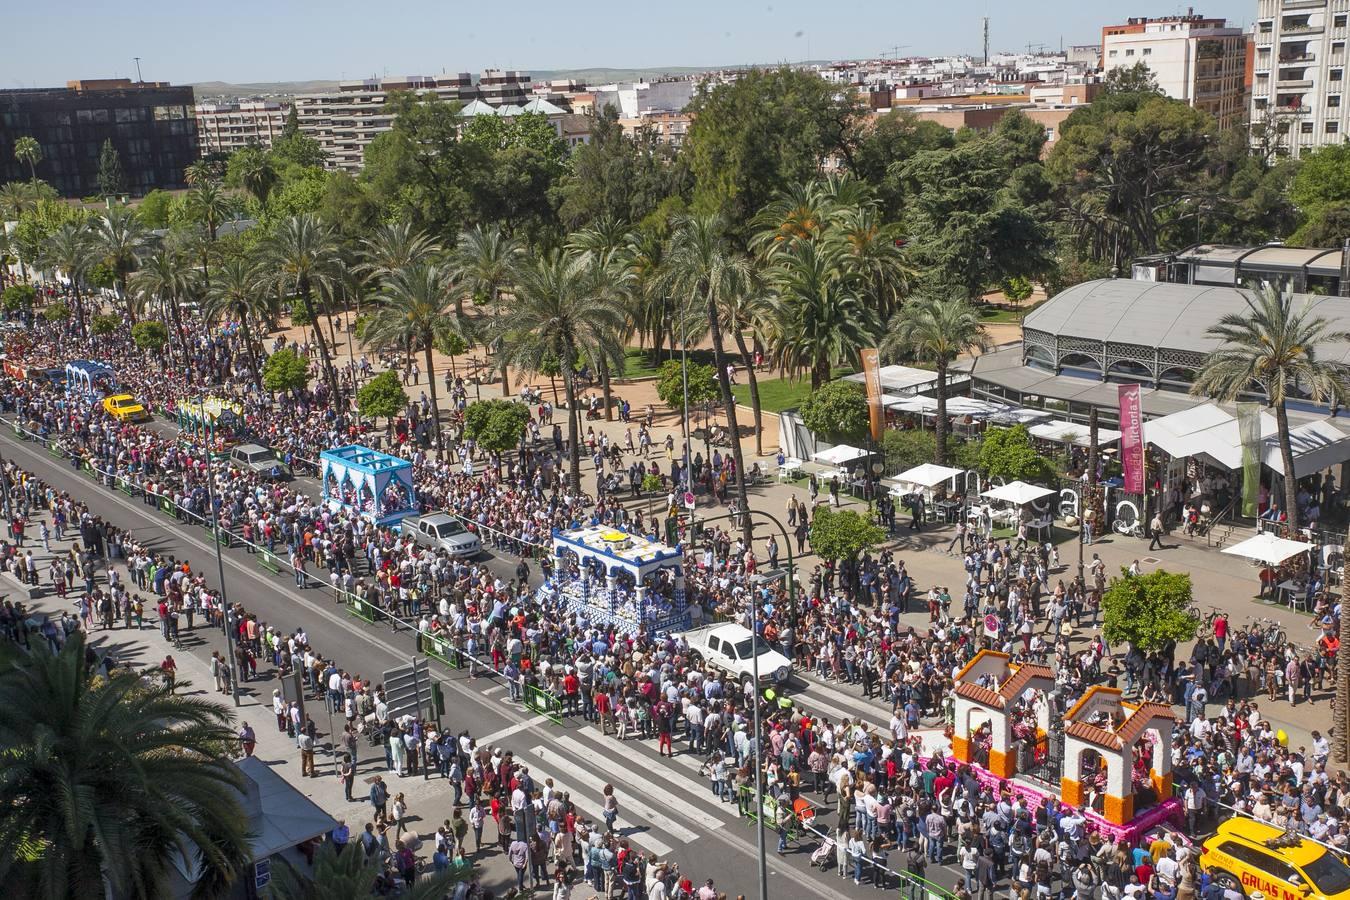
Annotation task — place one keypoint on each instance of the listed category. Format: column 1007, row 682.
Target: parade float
column 374, row 485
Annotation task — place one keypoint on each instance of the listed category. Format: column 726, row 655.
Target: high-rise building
column 150, row 123
column 1195, row 59
column 227, row 127
column 1298, row 74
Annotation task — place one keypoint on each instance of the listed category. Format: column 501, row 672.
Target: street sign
column 991, row 625
column 407, row 689
column 689, row 499
column 262, row 873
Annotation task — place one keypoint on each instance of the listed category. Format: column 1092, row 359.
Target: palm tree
column 210, row 206
column 164, row 276
column 257, row 176
column 418, row 312
column 872, row 255
column 819, row 319
column 395, row 246
column 484, row 259
column 71, row 249
column 303, row 256
column 704, row 269
column 940, row 331
column 119, row 237
column 106, row 779
column 559, row 312
column 1272, row 347
column 17, row 198
column 239, row 292
column 603, row 245
column 747, row 309
column 202, row 172
column 28, row 152
column 346, row 875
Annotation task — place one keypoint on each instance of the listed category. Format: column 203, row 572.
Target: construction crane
column 894, row 52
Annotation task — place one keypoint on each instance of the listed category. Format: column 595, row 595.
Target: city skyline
column 340, row 41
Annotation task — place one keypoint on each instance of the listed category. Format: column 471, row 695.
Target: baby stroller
column 823, row 855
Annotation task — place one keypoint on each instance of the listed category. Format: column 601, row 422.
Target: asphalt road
column 666, row 806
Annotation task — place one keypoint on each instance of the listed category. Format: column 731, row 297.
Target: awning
column 838, row 455
column 1018, row 493
column 1061, row 432
column 928, row 475
column 1209, row 430
column 1268, row 548
column 1317, row 445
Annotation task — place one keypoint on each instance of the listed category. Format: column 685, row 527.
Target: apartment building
column 1198, row 60
column 150, row 124
column 227, row 127
column 1298, row 74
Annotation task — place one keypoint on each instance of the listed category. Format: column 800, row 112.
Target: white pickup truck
column 732, row 648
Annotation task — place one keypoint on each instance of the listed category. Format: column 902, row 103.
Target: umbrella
column 1268, row 548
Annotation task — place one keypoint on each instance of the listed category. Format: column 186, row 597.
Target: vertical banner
column 1249, row 431
column 1132, row 438
column 872, row 378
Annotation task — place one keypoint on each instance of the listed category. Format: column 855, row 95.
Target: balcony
column 1303, row 59
column 1294, row 84
column 1299, row 31
column 1304, row 4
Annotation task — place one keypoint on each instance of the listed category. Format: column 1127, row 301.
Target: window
column 1333, row 127
column 1339, row 21
column 1334, row 100
column 1337, row 74
column 1112, row 54
column 102, row 116
column 1148, row 51
column 1305, row 128
column 1267, row 27
column 84, row 116
column 1130, row 52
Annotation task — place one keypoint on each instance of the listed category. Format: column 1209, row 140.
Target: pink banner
column 1132, row 438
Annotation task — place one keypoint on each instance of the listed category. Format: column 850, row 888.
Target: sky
column 285, row 40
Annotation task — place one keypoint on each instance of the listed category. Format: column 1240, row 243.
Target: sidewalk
column 429, row 801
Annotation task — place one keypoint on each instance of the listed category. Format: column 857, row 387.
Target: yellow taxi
column 124, row 408
column 1246, row 855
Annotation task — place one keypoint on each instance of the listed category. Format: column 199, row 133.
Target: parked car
column 732, row 648
column 260, row 460
column 440, row 531
column 125, row 408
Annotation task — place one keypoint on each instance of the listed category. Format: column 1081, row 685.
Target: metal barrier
column 360, row 608
column 438, row 646
column 267, row 560
column 545, row 704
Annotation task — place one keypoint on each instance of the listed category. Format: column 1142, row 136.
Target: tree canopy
column 1151, row 612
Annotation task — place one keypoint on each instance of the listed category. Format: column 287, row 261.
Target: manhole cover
column 1151, row 560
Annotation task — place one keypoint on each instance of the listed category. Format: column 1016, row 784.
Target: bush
column 1007, row 453
column 670, row 385
column 149, row 335
column 837, row 412
column 497, row 425
column 1152, row 612
column 285, row 371
column 104, row 324
column 651, row 483
column 907, row 449
column 843, row 534
column 17, row 298
column 382, row 397
column 56, row 311
column 300, row 315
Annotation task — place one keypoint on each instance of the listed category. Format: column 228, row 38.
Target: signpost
column 991, row 626
column 407, row 689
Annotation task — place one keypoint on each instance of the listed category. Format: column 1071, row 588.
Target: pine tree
column 111, row 179
column 292, row 126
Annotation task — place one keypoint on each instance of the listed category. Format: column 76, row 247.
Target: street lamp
column 220, row 571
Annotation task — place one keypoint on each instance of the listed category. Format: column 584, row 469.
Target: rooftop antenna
column 139, row 80
column 986, row 40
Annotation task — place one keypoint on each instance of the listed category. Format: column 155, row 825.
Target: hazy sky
column 282, row 40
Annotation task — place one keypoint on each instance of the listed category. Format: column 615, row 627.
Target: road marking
column 629, row 803
column 699, row 789
column 494, row 689
column 596, row 811
column 487, row 739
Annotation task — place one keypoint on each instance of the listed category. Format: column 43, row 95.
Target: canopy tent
column 901, row 379
column 838, row 455
column 927, row 475
column 982, row 410
column 1061, row 432
column 1018, row 493
column 375, row 485
column 1211, row 431
column 89, row 377
column 1268, row 548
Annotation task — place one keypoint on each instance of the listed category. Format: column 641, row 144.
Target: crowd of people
column 891, row 800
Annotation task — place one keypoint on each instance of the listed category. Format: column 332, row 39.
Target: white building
column 227, row 127
column 634, row 99
column 1198, row 60
column 1298, row 74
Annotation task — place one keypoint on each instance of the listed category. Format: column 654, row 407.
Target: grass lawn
column 995, row 315
column 638, row 362
column 778, row 394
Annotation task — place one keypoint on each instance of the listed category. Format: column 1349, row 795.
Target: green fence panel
column 360, row 609
column 54, row 449
column 440, row 648
column 166, row 506
column 267, row 560
column 543, row 703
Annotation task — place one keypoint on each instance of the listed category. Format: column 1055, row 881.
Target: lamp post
column 220, row 572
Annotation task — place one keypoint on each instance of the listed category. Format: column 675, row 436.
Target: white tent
column 1061, row 432
column 838, row 455
column 1018, row 493
column 1268, row 548
column 1317, row 445
column 1209, row 430
column 927, row 475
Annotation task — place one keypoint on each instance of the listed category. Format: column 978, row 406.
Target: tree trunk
column 248, row 351
column 604, row 387
column 820, row 374
column 1092, row 447
column 940, row 425
column 1287, row 458
column 573, row 429
column 79, row 309
column 435, row 406
column 719, row 360
column 754, row 390
column 325, row 360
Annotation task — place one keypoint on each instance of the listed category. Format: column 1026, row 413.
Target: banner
column 872, row 378
column 1249, row 431
column 1132, row 438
